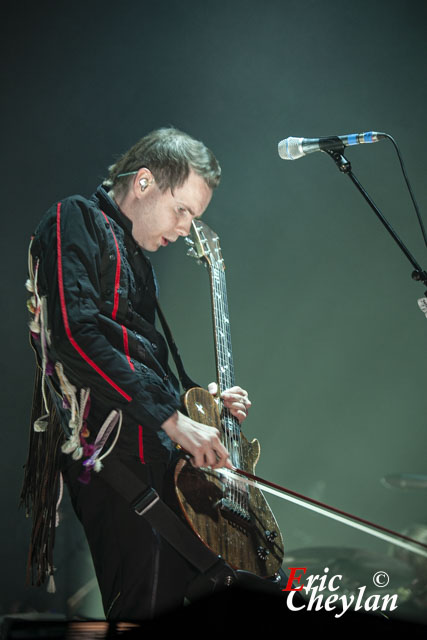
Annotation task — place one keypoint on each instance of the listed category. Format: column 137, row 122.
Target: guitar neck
column 221, row 322
column 205, row 246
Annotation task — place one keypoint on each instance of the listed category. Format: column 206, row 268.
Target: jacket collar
column 111, row 209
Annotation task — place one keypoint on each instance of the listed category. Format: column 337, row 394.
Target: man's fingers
column 236, row 402
column 213, row 388
column 237, row 390
column 209, row 452
column 230, row 397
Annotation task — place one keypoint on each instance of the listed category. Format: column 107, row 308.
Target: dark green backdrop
column 326, row 331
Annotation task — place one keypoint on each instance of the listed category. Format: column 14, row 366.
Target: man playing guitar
column 104, row 385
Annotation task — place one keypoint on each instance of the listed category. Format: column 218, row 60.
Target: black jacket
column 100, row 299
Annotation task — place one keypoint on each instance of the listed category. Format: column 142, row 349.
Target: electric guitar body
column 232, row 518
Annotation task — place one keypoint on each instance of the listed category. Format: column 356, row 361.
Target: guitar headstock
column 204, row 245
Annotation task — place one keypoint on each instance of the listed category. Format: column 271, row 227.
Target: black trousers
column 139, row 574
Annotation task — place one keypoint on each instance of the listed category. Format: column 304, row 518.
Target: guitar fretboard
column 224, row 354
column 206, row 245
column 224, row 359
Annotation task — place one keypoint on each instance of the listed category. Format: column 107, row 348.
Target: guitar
column 229, row 516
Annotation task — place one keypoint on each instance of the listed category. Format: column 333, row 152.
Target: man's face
column 161, row 217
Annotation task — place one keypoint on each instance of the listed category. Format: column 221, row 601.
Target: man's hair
column 170, row 155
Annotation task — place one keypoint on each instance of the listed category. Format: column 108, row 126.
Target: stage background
column 327, row 335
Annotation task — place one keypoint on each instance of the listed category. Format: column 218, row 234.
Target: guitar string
column 214, row 278
column 225, row 366
column 243, row 491
column 214, row 257
column 223, row 373
column 239, row 490
column 221, row 380
column 229, row 380
column 240, row 497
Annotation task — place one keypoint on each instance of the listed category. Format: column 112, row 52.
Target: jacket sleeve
column 69, row 243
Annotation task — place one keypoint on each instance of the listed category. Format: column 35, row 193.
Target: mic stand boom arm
column 345, row 167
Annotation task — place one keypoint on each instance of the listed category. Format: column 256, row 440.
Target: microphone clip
column 337, row 156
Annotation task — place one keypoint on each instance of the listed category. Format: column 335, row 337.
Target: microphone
column 294, row 148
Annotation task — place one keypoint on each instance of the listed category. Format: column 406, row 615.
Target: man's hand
column 235, row 399
column 200, row 440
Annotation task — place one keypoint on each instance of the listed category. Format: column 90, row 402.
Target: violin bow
column 398, row 539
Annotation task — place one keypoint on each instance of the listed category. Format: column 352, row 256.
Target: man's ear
column 143, row 180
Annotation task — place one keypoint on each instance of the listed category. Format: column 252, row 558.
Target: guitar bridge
column 234, row 512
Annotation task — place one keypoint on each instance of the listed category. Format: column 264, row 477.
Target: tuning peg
column 189, row 241
column 192, row 252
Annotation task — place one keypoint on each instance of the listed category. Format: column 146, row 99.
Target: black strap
column 186, row 381
column 146, row 502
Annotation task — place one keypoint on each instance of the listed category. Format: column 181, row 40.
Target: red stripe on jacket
column 126, row 347
column 141, row 445
column 65, row 316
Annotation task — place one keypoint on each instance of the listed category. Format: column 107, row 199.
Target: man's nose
column 184, row 226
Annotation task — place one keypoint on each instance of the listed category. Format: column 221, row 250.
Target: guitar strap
column 146, row 502
column 186, row 381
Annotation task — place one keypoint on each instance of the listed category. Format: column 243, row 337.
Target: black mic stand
column 418, row 274
column 345, row 167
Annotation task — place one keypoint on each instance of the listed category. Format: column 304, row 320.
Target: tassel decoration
column 40, row 424
column 51, row 586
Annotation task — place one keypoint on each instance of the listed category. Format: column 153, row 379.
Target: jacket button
column 112, row 256
column 153, row 344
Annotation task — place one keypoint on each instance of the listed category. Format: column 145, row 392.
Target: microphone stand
column 418, row 274
column 345, row 167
